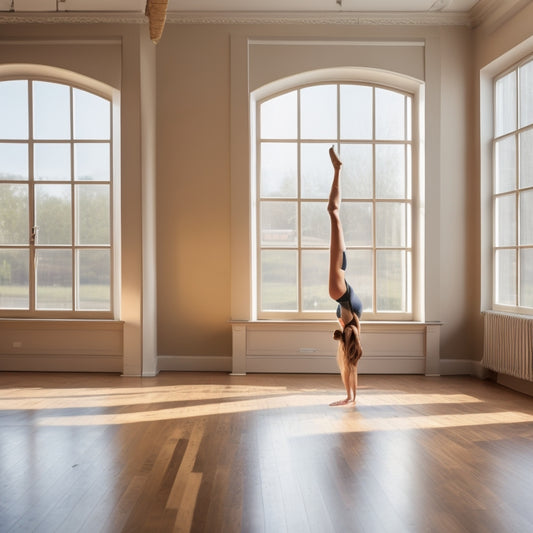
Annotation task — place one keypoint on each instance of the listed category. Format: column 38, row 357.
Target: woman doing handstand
column 349, row 307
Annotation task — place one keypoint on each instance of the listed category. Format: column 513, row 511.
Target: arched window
column 56, row 197
column 371, row 128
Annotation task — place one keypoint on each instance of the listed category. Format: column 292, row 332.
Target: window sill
column 48, row 323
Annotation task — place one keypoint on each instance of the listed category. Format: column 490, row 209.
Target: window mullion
column 299, row 199
column 72, row 206
column 374, row 247
column 517, row 211
column 31, row 204
column 517, row 185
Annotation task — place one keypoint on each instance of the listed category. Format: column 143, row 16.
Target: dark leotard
column 349, row 300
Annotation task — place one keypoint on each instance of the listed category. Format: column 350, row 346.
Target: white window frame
column 414, row 242
column 31, row 73
column 487, row 74
column 517, row 247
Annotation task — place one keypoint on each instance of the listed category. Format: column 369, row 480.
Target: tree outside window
column 370, row 126
column 55, row 198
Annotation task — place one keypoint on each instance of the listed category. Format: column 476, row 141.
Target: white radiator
column 508, row 344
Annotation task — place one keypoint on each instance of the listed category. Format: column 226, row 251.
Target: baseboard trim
column 458, row 367
column 194, row 363
column 317, row 364
column 516, row 384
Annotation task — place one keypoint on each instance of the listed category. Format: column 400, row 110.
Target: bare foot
column 334, row 159
column 342, row 402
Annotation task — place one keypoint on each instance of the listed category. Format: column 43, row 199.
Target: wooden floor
column 263, row 453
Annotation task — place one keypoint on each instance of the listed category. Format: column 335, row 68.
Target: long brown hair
column 350, row 342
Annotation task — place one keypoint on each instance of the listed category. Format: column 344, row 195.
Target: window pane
column 391, row 275
column 359, row 275
column 505, row 275
column 14, row 279
column 279, row 277
column 356, row 112
column 526, row 218
column 52, row 161
column 526, row 158
column 91, row 161
column 53, row 214
column 319, row 112
column 357, row 170
column 14, row 214
column 94, row 280
column 390, row 224
column 526, row 94
column 505, row 221
column 54, row 279
column 505, row 104
column 390, row 171
column 316, row 170
column 315, row 274
column 279, row 223
column 356, row 220
column 526, row 277
column 91, row 116
column 390, row 115
column 279, row 162
column 14, row 109
column 315, row 224
column 92, row 214
column 505, row 178
column 13, row 161
column 279, row 117
column 51, row 110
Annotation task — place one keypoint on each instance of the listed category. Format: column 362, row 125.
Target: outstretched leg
column 337, row 286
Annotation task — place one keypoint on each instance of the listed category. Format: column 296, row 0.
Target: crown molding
column 64, row 17
column 315, row 18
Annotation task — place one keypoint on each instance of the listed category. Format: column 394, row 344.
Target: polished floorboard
column 210, row 452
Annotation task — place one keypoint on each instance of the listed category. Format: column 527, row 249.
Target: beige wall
column 459, row 216
column 495, row 38
column 193, row 191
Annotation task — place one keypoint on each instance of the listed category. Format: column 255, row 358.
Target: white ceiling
column 175, row 6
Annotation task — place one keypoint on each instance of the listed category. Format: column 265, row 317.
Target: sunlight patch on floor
column 39, row 399
column 139, row 407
